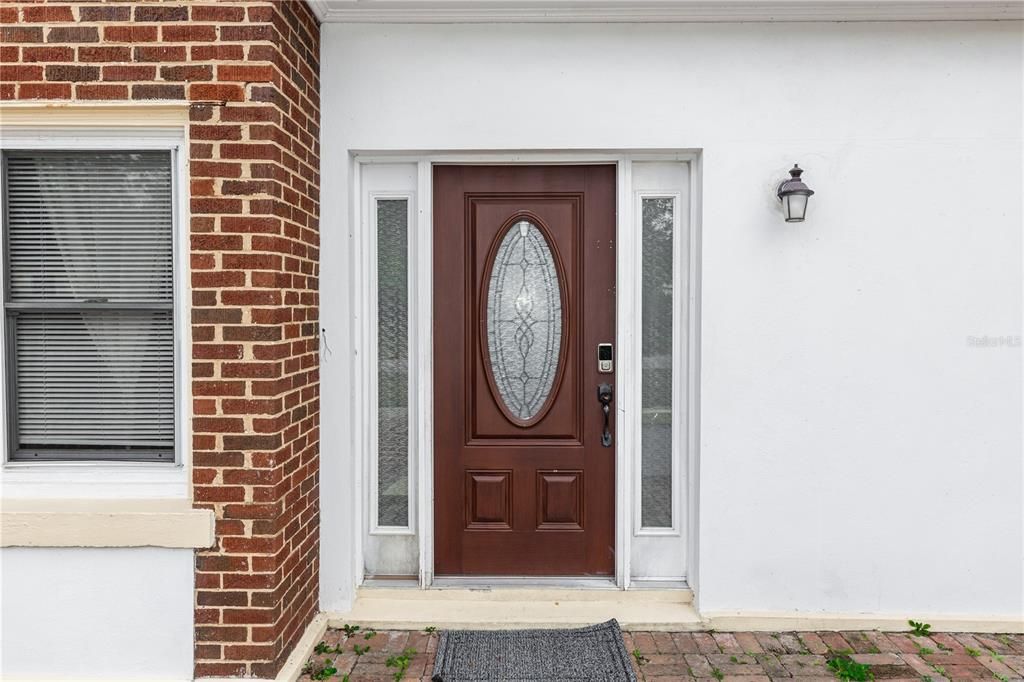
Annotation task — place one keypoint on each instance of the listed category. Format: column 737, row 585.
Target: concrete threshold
column 387, row 608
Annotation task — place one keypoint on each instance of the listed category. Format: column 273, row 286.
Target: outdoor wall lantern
column 793, row 194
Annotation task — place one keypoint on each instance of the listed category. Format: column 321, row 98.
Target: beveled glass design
column 656, row 363
column 524, row 320
column 392, row 363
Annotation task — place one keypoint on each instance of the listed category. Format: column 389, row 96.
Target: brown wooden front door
column 524, row 291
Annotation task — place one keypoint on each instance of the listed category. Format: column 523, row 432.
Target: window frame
column 109, row 477
column 12, row 310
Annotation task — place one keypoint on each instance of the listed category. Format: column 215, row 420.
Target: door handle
column 604, row 396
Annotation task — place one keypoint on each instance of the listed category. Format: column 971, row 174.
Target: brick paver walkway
column 720, row 656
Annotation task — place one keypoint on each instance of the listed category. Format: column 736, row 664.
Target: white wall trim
column 600, row 11
column 421, row 372
column 627, row 354
column 693, row 372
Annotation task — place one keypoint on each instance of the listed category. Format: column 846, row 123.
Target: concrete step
column 519, row 607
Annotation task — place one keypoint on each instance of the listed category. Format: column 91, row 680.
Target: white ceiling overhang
column 485, row 11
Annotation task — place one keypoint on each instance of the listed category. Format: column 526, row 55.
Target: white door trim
column 421, row 334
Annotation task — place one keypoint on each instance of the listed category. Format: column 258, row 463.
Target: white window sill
column 93, row 480
column 104, row 523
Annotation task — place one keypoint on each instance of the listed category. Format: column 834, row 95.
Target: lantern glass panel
column 795, row 206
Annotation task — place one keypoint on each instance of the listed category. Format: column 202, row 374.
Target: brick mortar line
column 249, row 162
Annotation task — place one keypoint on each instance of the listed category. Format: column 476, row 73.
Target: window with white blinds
column 89, row 304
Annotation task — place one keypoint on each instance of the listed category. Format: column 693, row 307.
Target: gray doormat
column 595, row 654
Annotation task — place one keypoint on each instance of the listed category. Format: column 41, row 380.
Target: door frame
column 362, row 262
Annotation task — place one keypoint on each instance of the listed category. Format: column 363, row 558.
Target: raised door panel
column 488, row 499
column 560, row 500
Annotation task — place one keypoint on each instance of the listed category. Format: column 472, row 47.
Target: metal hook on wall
column 323, row 345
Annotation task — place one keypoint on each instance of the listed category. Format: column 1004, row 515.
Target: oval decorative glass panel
column 524, row 320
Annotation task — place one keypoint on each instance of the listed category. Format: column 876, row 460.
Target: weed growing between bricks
column 350, row 653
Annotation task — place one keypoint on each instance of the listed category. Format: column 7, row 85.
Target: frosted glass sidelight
column 656, row 363
column 392, row 363
column 524, row 320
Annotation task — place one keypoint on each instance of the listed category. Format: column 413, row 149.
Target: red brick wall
column 249, row 72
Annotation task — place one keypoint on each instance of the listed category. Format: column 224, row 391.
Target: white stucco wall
column 90, row 613
column 858, row 455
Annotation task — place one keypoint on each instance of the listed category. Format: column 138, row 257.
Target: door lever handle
column 604, row 396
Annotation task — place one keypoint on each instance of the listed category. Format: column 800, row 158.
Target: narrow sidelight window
column 658, row 217
column 392, row 218
column 89, row 305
